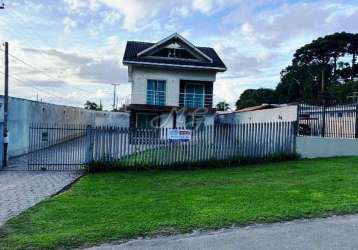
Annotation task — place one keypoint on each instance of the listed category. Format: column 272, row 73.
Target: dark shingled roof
column 133, row 48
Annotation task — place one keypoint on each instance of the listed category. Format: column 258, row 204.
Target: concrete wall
column 139, row 76
column 288, row 113
column 1, row 144
column 313, row 147
column 23, row 112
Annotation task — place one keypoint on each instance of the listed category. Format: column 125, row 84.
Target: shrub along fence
column 73, row 147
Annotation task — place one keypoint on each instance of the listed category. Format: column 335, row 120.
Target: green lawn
column 112, row 206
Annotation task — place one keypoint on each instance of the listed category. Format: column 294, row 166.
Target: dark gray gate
column 57, row 147
column 328, row 120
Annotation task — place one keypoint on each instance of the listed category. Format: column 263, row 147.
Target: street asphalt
column 337, row 232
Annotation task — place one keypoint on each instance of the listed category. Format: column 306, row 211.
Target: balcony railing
column 156, row 97
column 194, row 100
column 189, row 100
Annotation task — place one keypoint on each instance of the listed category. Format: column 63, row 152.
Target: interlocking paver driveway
column 20, row 190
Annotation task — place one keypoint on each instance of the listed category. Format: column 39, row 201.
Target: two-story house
column 172, row 82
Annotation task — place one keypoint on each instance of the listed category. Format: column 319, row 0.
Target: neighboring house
column 172, row 82
column 261, row 113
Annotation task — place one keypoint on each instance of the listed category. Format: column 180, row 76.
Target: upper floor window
column 156, row 92
column 194, row 96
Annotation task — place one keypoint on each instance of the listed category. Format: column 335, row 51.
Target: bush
column 105, row 166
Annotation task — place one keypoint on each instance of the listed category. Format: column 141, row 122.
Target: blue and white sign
column 179, row 135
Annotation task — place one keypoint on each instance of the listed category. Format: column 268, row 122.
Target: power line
column 29, row 32
column 44, row 73
column 41, row 51
column 32, row 86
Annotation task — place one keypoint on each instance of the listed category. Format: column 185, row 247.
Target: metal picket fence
column 55, row 147
column 219, row 142
column 329, row 120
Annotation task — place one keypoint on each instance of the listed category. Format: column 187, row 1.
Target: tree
column 92, row 106
column 319, row 69
column 324, row 68
column 222, row 106
column 254, row 97
column 100, row 105
column 352, row 48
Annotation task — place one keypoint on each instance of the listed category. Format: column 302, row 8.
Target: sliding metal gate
column 57, row 147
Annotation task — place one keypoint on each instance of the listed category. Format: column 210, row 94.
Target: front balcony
column 195, row 100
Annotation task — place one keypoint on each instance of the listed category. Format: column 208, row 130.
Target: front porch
column 152, row 116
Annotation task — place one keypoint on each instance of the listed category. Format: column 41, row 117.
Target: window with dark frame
column 156, row 92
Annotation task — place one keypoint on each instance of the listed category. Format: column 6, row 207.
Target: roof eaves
column 221, row 69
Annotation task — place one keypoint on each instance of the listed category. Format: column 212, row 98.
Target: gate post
column 323, row 128
column 89, row 144
column 1, row 145
column 356, row 122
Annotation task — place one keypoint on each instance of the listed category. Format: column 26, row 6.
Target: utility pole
column 6, row 104
column 115, row 95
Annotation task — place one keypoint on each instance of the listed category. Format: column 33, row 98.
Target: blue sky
column 73, row 48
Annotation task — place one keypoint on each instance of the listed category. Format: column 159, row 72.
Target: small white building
column 172, row 83
column 258, row 114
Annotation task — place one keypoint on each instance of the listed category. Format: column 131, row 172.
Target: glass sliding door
column 194, row 96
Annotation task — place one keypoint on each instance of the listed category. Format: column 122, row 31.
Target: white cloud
column 134, row 11
column 137, row 13
column 76, row 4
column 209, row 7
column 69, row 24
column 69, row 77
column 275, row 26
column 255, row 40
column 111, row 17
column 183, row 11
column 204, row 6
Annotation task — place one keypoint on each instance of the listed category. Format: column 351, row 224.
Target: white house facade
column 172, row 83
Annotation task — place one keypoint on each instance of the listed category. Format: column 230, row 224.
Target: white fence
column 73, row 146
column 220, row 142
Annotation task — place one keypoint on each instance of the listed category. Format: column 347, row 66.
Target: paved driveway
column 339, row 232
column 20, row 190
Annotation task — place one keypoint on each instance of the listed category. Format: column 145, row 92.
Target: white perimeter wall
column 288, row 113
column 313, row 147
column 23, row 112
column 139, row 76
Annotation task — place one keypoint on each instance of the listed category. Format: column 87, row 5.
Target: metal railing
column 339, row 121
column 194, row 100
column 72, row 147
column 189, row 100
column 156, row 97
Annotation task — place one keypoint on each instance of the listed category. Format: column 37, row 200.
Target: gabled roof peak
column 181, row 39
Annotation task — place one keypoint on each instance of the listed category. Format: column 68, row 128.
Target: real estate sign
column 179, row 135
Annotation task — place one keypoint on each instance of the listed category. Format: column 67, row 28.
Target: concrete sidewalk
column 338, row 232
